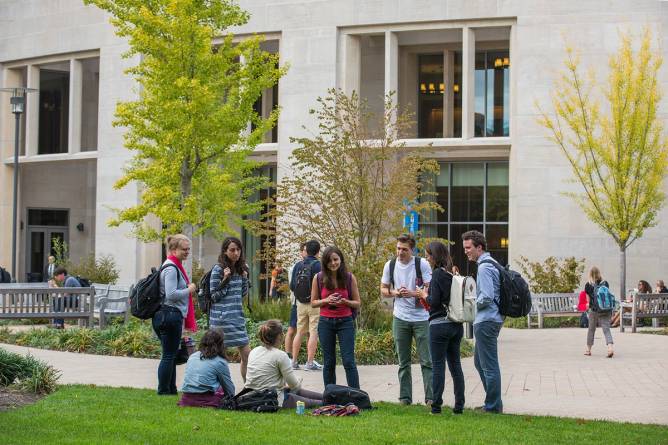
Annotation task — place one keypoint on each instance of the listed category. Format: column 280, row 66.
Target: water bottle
column 300, row 408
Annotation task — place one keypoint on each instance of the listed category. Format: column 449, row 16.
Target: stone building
column 472, row 71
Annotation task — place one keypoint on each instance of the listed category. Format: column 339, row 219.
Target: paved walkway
column 543, row 372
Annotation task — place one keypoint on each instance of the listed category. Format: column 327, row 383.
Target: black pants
column 168, row 324
column 445, row 339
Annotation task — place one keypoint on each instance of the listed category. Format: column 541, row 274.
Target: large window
column 474, row 196
column 492, row 93
column 54, row 96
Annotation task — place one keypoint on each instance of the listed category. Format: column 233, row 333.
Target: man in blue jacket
column 488, row 321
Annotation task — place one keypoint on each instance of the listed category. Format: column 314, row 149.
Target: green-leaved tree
column 347, row 187
column 189, row 125
column 618, row 152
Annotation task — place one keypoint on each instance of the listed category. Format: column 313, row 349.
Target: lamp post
column 17, row 102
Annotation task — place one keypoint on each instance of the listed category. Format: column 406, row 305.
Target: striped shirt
column 227, row 311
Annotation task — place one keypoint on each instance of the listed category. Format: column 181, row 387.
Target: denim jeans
column 403, row 333
column 328, row 329
column 486, row 361
column 167, row 324
column 445, row 339
column 62, row 304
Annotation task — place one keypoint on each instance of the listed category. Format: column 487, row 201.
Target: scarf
column 190, row 322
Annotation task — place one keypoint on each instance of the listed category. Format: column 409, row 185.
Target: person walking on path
column 401, row 277
column 207, row 378
column 595, row 316
column 307, row 315
column 334, row 290
column 271, row 368
column 168, row 322
column 445, row 335
column 229, row 278
column 488, row 321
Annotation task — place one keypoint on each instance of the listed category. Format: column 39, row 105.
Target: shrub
column 98, row 270
column 270, row 309
column 27, row 373
column 553, row 275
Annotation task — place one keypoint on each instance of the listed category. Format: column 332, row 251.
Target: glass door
column 40, row 246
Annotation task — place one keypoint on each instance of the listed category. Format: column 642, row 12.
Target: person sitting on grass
column 207, row 378
column 271, row 368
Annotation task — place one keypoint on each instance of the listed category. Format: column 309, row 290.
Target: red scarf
column 191, row 323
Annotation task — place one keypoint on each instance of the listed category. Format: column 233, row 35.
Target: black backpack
column 204, row 299
column 303, row 282
column 145, row 299
column 255, row 400
column 342, row 395
column 5, row 277
column 515, row 298
column 83, row 282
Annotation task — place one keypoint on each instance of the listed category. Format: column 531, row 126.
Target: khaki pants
column 307, row 318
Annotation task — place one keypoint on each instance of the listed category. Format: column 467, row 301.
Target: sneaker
column 295, row 365
column 313, row 366
column 317, row 364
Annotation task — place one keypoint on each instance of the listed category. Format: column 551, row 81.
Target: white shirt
column 404, row 276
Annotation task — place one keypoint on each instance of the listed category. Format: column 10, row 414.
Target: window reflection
column 492, row 93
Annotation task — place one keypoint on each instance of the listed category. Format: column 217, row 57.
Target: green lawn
column 85, row 414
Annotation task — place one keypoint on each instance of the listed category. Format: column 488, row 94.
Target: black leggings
column 311, row 399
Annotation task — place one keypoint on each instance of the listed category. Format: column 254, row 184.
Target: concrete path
column 544, row 372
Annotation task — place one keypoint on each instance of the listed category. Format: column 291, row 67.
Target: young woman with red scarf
column 168, row 323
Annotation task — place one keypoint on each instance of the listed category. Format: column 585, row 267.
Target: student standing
column 594, row 315
column 229, row 278
column 445, row 335
column 488, row 321
column 175, row 290
column 307, row 316
column 334, row 290
column 410, row 318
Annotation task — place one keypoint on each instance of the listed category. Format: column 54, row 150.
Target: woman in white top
column 271, row 368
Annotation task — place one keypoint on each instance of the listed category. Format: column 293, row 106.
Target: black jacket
column 439, row 293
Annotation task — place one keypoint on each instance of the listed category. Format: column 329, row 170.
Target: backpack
column 204, row 298
column 419, row 282
column 145, row 299
column 603, row 299
column 5, row 277
column 515, row 298
column 303, row 282
column 349, row 288
column 83, row 282
column 343, row 395
column 255, row 400
column 461, row 308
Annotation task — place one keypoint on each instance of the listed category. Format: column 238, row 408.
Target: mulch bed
column 12, row 398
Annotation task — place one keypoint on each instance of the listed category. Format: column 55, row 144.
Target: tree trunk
column 188, row 265
column 186, row 190
column 622, row 273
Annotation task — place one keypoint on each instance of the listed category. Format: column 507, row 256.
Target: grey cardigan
column 173, row 288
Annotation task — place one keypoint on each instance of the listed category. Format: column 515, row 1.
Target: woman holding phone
column 335, row 292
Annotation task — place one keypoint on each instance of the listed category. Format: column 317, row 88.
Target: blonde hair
column 594, row 275
column 174, row 241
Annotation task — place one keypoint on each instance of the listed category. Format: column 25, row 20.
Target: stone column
column 391, row 64
column 32, row 112
column 74, row 121
column 468, row 83
column 350, row 63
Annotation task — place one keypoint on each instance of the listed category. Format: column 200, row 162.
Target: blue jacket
column 488, row 292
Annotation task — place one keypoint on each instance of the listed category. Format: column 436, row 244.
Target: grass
column 88, row 414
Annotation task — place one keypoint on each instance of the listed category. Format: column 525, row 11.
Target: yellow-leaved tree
column 618, row 152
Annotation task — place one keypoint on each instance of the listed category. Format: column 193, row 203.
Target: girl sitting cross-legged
column 207, row 378
column 270, row 368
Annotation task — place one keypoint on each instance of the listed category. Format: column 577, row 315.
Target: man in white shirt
column 410, row 320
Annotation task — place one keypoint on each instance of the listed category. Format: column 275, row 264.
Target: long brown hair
column 240, row 266
column 270, row 332
column 440, row 255
column 212, row 344
column 331, row 279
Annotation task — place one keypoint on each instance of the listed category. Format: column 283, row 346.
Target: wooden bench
column 552, row 305
column 652, row 306
column 35, row 300
column 111, row 301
